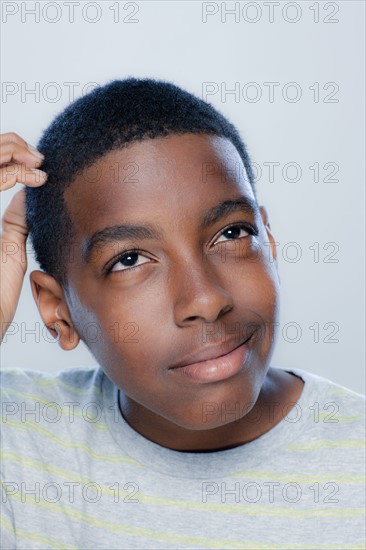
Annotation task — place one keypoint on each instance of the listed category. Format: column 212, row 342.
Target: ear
column 50, row 299
column 271, row 240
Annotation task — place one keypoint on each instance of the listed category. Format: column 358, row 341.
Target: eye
column 126, row 261
column 235, row 230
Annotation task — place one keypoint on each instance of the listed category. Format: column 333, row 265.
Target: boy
column 155, row 253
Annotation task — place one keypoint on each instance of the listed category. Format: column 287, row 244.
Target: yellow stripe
column 60, row 472
column 249, row 474
column 4, row 522
column 343, row 392
column 185, row 504
column 65, row 411
column 208, row 506
column 23, row 534
column 339, row 419
column 49, row 382
column 172, row 537
column 288, row 478
column 71, row 444
column 328, row 444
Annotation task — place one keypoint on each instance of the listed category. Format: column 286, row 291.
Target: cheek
column 129, row 334
column 257, row 286
column 257, row 295
column 249, row 271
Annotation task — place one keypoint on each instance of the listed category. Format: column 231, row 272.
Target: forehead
column 155, row 179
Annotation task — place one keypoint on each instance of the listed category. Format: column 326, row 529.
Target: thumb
column 14, row 236
column 13, row 222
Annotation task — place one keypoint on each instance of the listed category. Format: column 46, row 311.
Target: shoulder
column 326, row 388
column 29, row 385
column 331, row 407
column 39, row 407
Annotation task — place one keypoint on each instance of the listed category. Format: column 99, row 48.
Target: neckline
column 216, row 464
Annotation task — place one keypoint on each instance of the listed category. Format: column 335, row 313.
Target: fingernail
column 35, row 151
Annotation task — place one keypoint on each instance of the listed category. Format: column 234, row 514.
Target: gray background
column 319, row 46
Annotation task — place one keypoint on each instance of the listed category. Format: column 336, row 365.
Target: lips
column 210, row 352
column 218, row 370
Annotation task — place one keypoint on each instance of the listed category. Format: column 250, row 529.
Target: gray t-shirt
column 76, row 475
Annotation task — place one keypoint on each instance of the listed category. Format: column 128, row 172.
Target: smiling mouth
column 216, row 369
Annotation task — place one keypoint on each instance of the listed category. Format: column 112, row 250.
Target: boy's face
column 195, row 287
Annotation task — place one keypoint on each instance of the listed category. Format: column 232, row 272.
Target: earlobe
column 52, row 306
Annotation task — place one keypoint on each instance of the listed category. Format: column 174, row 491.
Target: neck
column 278, row 395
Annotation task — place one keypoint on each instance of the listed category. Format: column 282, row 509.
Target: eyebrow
column 117, row 233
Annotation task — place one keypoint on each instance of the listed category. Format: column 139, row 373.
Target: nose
column 199, row 293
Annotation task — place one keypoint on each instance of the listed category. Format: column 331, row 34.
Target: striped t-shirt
column 76, row 475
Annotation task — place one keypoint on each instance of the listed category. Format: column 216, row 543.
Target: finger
column 15, row 138
column 13, row 265
column 12, row 136
column 13, row 222
column 13, row 173
column 11, row 151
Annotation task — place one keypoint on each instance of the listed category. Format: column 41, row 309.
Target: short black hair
column 107, row 118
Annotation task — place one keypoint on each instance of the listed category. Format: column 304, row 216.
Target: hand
column 18, row 162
